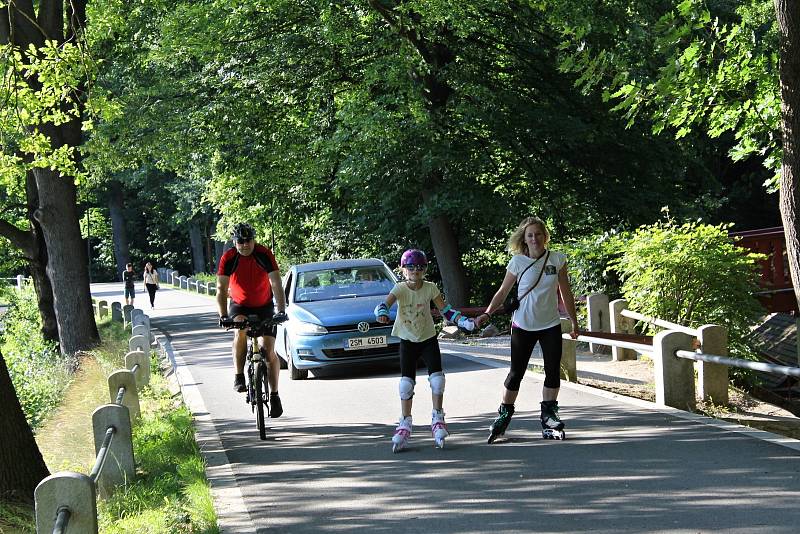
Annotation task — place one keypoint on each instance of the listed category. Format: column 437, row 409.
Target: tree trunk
column 196, row 241
column 67, row 266
column 789, row 23
column 116, row 205
column 448, row 257
column 21, row 464
column 38, row 265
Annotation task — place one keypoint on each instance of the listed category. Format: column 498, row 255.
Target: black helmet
column 243, row 231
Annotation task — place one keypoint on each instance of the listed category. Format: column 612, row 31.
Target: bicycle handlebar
column 253, row 324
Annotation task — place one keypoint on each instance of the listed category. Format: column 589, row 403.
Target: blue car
column 331, row 322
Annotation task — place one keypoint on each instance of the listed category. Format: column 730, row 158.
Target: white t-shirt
column 414, row 321
column 539, row 309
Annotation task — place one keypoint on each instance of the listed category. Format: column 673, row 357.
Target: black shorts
column 130, row 292
column 262, row 312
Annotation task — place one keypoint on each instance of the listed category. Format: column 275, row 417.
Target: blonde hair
column 516, row 242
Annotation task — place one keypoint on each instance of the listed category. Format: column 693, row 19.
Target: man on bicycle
column 248, row 274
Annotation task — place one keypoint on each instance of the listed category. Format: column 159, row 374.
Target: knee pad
column 406, row 388
column 437, row 383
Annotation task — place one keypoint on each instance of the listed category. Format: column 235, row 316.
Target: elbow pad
column 451, row 314
column 381, row 310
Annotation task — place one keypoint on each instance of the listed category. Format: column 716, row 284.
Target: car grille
column 377, row 352
column 354, row 328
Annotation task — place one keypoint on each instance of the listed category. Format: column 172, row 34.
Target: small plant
column 39, row 372
column 692, row 274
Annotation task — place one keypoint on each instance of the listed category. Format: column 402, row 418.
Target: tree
column 789, row 24
column 43, row 51
column 716, row 66
column 21, row 464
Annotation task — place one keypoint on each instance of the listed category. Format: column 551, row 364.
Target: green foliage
column 692, row 274
column 588, row 263
column 39, row 373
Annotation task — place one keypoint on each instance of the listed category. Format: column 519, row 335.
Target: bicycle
column 257, row 367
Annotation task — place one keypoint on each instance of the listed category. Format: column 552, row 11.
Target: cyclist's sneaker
column 275, row 406
column 238, row 384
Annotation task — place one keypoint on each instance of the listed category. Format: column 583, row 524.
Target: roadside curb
column 233, row 517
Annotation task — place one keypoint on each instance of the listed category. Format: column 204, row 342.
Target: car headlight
column 309, row 329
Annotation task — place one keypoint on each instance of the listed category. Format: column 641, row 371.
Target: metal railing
column 66, row 502
column 772, row 368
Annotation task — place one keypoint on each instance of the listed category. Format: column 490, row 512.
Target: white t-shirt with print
column 539, row 309
column 414, row 321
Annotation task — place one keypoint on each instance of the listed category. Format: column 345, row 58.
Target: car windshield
column 340, row 283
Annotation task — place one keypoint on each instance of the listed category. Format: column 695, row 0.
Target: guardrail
column 66, row 502
column 677, row 352
column 189, row 283
column 19, row 280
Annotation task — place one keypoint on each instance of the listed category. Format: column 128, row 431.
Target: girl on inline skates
column 414, row 326
column 540, row 273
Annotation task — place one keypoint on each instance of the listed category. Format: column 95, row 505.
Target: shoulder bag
column 513, row 301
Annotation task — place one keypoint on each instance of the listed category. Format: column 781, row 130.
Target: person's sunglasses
column 243, row 241
column 411, row 267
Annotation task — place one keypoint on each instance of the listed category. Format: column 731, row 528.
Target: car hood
column 337, row 312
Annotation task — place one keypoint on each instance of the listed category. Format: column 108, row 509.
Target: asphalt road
column 626, row 466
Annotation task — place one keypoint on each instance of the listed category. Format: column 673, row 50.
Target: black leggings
column 151, row 289
column 522, row 344
column 411, row 352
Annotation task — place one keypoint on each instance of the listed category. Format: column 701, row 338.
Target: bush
column 588, row 263
column 39, row 373
column 692, row 274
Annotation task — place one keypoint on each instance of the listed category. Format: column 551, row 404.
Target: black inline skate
column 552, row 425
column 500, row 424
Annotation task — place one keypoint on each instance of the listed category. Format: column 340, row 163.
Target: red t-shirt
column 249, row 284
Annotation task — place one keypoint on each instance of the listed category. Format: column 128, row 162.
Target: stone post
column 73, row 491
column 119, row 467
column 568, row 353
column 674, row 376
column 597, row 310
column 620, row 325
column 712, row 378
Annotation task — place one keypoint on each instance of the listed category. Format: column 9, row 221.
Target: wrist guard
column 451, row 314
column 381, row 310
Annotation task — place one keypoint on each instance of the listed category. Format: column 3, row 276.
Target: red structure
column 777, row 293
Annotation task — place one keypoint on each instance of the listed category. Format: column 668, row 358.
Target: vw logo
column 363, row 326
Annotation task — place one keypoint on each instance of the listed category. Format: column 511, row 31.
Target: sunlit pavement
column 327, row 465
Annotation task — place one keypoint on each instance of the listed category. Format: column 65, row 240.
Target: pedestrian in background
column 150, row 277
column 128, row 276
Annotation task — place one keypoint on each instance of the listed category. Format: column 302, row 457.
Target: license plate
column 358, row 343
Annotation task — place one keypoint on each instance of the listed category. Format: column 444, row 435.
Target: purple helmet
column 413, row 257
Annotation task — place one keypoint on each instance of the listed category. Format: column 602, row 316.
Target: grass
column 170, row 493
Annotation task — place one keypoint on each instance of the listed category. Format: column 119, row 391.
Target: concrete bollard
column 712, row 378
column 126, row 313
column 20, row 281
column 176, row 280
column 140, row 330
column 70, row 490
column 102, row 308
column 597, row 310
column 116, row 312
column 142, row 373
column 124, row 378
column 136, row 312
column 202, row 288
column 191, row 284
column 674, row 376
column 119, row 466
column 620, row 325
column 184, row 282
column 568, row 353
column 139, row 343
column 212, row 288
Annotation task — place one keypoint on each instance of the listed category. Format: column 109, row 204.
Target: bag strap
column 541, row 272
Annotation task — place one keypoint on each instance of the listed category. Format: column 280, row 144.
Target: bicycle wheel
column 261, row 392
